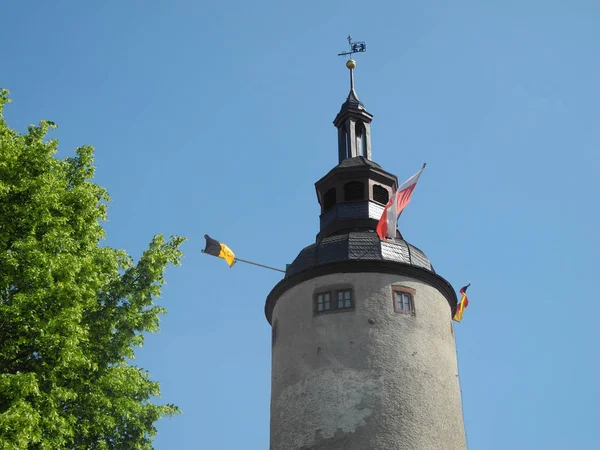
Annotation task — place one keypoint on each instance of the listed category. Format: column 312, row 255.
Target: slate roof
column 358, row 161
column 358, row 246
column 352, row 102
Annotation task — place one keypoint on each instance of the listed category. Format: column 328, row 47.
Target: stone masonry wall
column 367, row 379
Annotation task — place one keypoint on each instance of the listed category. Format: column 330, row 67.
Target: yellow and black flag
column 216, row 248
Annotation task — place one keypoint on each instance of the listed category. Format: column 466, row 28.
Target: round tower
column 363, row 352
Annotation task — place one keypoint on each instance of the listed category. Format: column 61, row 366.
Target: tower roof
column 352, row 101
column 355, row 247
column 353, row 195
column 360, row 252
column 358, row 161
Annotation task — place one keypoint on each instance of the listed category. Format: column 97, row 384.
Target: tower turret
column 363, row 353
column 353, row 194
column 354, row 124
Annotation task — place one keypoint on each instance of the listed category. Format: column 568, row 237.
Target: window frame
column 316, row 301
column 343, row 299
column 403, row 290
column 333, row 299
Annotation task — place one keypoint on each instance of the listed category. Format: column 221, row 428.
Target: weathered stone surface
column 368, row 379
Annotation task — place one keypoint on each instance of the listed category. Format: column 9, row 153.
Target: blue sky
column 215, row 117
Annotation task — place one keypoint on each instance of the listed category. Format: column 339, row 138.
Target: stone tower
column 363, row 353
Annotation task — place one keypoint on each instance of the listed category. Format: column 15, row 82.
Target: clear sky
column 215, row 117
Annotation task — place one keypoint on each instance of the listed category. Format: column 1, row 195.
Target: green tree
column 71, row 311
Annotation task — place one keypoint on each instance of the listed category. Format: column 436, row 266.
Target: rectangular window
column 403, row 299
column 344, row 299
column 323, row 302
column 334, row 300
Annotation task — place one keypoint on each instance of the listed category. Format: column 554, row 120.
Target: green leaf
column 71, row 311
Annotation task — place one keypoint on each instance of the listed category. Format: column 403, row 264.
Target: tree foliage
column 71, row 311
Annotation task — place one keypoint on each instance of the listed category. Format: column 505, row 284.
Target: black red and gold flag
column 462, row 305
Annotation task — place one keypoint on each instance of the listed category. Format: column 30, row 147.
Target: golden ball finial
column 351, row 64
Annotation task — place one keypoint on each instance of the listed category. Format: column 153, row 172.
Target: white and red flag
column 387, row 224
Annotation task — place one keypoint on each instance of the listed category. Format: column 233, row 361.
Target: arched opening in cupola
column 329, row 199
column 353, row 191
column 361, row 138
column 380, row 194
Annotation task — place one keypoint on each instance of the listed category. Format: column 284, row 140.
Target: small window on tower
column 353, row 191
column 334, row 300
column 323, row 301
column 329, row 199
column 403, row 299
column 380, row 194
column 344, row 299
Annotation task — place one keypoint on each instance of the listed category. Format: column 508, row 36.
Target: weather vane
column 355, row 47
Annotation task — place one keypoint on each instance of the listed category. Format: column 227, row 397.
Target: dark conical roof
column 352, row 102
column 358, row 161
column 359, row 252
column 357, row 246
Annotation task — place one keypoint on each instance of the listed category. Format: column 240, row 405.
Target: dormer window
column 380, row 194
column 354, row 191
column 329, row 199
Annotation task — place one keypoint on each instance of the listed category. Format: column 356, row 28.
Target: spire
column 352, row 97
column 353, row 121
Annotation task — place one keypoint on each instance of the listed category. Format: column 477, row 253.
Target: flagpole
column 259, row 265
column 254, row 264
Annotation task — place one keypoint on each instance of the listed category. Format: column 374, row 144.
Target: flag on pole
column 220, row 250
column 387, row 223
column 464, row 302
